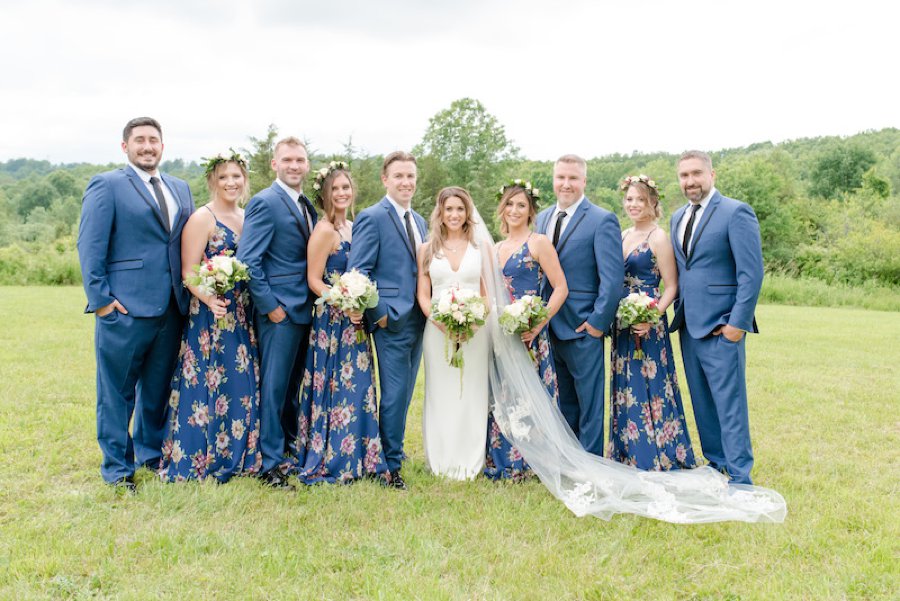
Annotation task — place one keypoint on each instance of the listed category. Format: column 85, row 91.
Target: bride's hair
column 432, row 246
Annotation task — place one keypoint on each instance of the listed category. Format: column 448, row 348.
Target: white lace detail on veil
column 587, row 484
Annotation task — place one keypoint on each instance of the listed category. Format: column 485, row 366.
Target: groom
column 129, row 246
column 385, row 238
column 587, row 239
column 277, row 227
column 720, row 272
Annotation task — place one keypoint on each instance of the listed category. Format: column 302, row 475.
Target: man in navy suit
column 277, row 226
column 720, row 272
column 385, row 239
column 129, row 246
column 588, row 241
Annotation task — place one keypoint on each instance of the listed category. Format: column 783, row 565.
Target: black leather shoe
column 125, row 484
column 275, row 479
column 396, row 480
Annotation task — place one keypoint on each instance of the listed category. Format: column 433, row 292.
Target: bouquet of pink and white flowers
column 351, row 291
column 218, row 275
column 460, row 310
column 523, row 314
column 638, row 307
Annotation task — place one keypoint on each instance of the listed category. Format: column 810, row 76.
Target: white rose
column 515, row 309
column 444, row 304
column 535, row 192
column 323, row 171
column 478, row 311
column 223, row 264
column 651, row 183
column 459, row 317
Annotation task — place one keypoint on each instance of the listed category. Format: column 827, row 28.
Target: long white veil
column 586, row 483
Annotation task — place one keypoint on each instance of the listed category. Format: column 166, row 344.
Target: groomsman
column 277, row 225
column 385, row 239
column 720, row 272
column 588, row 241
column 129, row 246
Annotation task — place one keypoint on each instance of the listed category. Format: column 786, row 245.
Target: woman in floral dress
column 338, row 437
column 524, row 258
column 213, row 413
column 647, row 426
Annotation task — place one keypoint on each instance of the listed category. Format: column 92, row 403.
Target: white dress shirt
column 295, row 196
column 171, row 203
column 566, row 220
column 682, row 225
column 400, row 213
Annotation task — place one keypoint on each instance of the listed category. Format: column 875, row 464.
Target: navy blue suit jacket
column 590, row 253
column 719, row 281
column 125, row 248
column 273, row 245
column 381, row 250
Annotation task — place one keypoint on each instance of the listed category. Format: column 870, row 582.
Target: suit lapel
column 141, row 189
column 401, row 229
column 293, row 209
column 704, row 221
column 181, row 210
column 570, row 229
column 673, row 230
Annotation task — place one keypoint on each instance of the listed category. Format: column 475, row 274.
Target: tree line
column 828, row 207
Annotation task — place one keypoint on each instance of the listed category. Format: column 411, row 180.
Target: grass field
column 826, row 428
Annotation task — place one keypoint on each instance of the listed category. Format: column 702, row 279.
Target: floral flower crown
column 533, row 194
column 214, row 161
column 640, row 179
column 324, row 172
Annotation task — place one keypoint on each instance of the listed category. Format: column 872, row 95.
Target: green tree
column 260, row 156
column 840, row 169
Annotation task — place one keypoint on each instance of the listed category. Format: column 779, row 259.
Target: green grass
column 824, row 412
column 781, row 289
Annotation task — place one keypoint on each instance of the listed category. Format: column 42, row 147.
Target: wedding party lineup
column 280, row 336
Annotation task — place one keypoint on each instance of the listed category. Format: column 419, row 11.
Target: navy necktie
column 685, row 242
column 560, row 217
column 161, row 201
column 409, row 231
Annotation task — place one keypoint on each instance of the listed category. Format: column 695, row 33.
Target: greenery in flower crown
column 533, row 194
column 324, row 172
column 212, row 162
column 642, row 179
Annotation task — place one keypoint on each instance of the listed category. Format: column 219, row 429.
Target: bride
column 456, row 402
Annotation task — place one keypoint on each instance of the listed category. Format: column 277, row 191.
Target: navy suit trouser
column 399, row 356
column 282, row 356
column 579, row 372
column 715, row 368
column 136, row 358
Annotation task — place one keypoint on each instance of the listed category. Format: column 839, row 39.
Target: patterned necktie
column 161, row 201
column 559, row 223
column 409, row 231
column 685, row 242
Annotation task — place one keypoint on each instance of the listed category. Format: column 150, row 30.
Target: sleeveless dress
column 338, row 438
column 647, row 426
column 522, row 275
column 213, row 413
column 455, row 409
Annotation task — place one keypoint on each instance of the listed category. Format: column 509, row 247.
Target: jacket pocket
column 388, row 292
column 287, row 277
column 721, row 289
column 127, row 264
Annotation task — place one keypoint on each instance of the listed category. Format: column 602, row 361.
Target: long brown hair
column 323, row 200
column 508, row 194
column 432, row 246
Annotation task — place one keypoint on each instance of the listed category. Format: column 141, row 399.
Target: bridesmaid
column 338, row 437
column 213, row 414
column 525, row 257
column 647, row 426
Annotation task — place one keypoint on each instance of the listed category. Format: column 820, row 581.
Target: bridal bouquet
column 638, row 307
column 351, row 291
column 523, row 314
column 218, row 275
column 459, row 310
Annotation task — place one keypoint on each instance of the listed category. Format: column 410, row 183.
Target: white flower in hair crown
column 530, row 190
column 210, row 163
column 324, row 172
column 640, row 179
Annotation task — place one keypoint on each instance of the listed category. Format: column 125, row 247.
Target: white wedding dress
column 454, row 420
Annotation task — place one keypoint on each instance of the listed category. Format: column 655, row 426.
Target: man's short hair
column 289, row 141
column 138, row 122
column 696, row 154
column 397, row 155
column 573, row 159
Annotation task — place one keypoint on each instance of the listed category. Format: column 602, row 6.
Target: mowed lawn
column 825, row 415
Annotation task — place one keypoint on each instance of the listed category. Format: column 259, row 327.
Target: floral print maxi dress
column 338, row 437
column 522, row 275
column 213, row 413
column 647, row 426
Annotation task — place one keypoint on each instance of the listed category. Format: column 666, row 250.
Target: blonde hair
column 507, row 197
column 650, row 197
column 432, row 246
column 573, row 159
column 213, row 177
column 288, row 141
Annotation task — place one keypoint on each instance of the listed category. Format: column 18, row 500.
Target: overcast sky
column 561, row 75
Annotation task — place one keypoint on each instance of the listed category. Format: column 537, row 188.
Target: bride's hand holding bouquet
column 458, row 312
